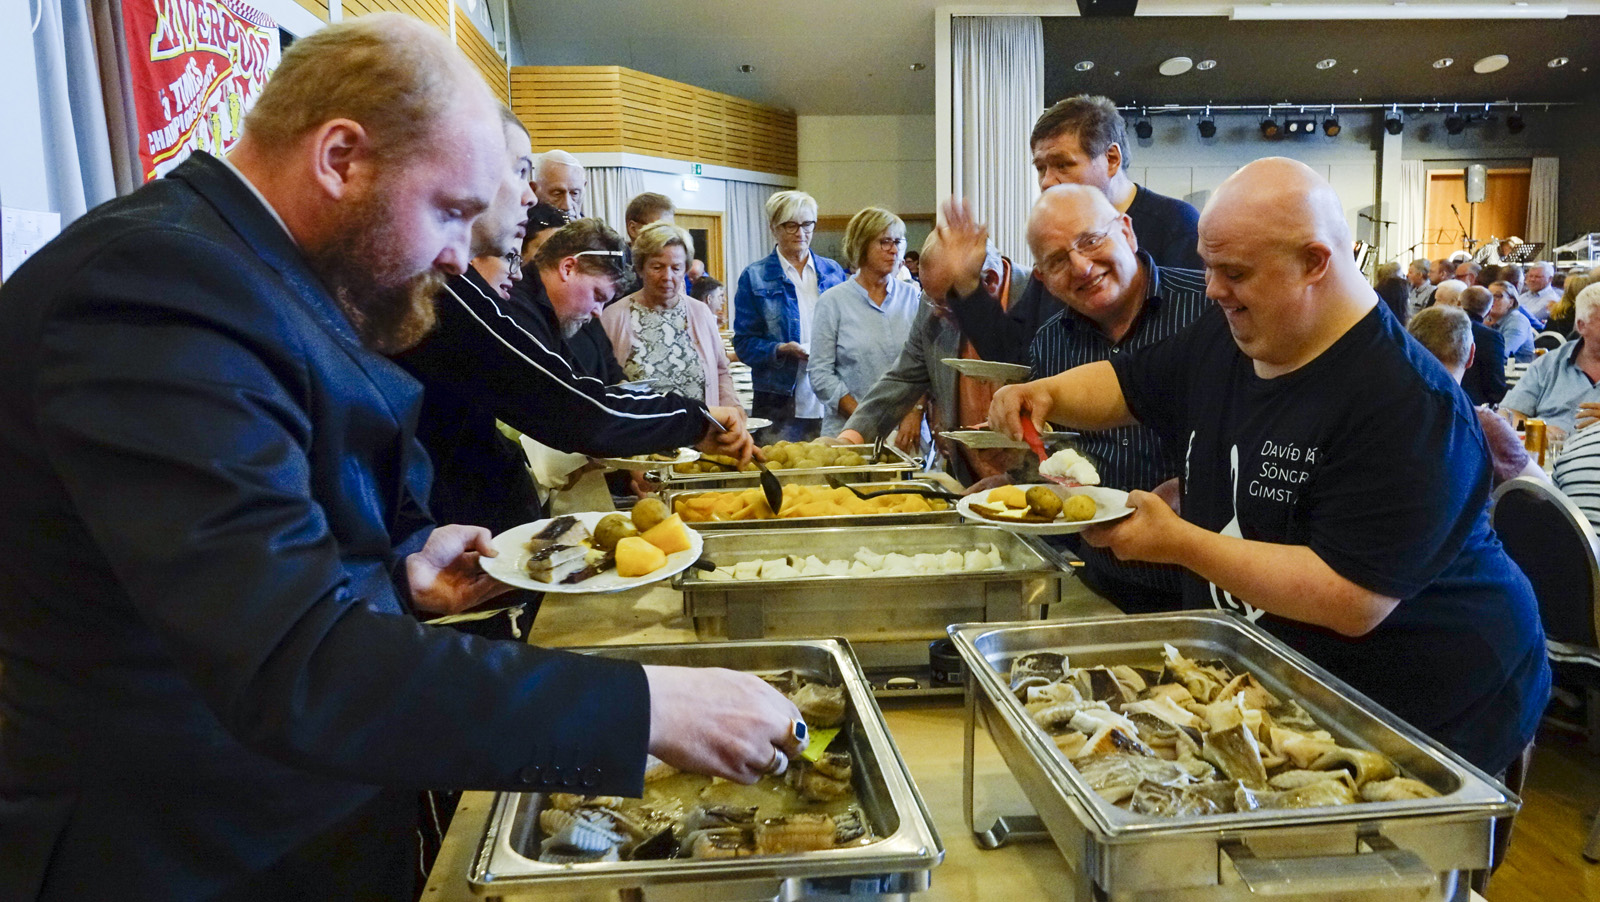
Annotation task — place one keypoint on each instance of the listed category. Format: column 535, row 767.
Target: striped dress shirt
column 1130, row 457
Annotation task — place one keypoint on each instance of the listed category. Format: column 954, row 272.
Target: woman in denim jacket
column 772, row 312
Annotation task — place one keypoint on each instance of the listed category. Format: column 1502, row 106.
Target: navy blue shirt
column 1168, row 229
column 1371, row 456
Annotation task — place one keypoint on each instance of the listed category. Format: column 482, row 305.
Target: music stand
column 1523, row 252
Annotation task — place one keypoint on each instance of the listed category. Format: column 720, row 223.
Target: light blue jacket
column 766, row 313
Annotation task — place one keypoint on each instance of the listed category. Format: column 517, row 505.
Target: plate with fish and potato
column 595, row 551
column 1046, row 509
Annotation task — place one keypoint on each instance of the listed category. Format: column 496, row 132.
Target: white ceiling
column 820, row 57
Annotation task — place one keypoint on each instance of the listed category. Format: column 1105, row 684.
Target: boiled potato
column 1078, row 507
column 648, row 512
column 612, row 529
column 1045, row 503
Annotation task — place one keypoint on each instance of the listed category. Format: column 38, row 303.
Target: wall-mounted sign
column 195, row 67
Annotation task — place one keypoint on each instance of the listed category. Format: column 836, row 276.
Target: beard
column 571, row 327
column 390, row 307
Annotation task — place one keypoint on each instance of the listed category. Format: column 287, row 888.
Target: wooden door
column 1504, row 211
column 706, row 227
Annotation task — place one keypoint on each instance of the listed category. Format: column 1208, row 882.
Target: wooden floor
column 1544, row 863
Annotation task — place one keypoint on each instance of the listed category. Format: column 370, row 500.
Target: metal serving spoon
column 770, row 488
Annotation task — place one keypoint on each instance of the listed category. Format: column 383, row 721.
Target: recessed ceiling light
column 1443, row 62
column 1327, row 63
column 1084, row 65
column 1175, row 66
column 1206, row 65
column 1491, row 64
column 746, row 67
column 1557, row 63
column 918, row 67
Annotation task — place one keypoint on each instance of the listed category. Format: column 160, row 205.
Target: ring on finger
column 779, row 764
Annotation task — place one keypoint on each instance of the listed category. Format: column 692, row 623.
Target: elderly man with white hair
column 1417, row 277
column 1336, row 483
column 1559, row 381
column 1537, row 291
column 560, row 181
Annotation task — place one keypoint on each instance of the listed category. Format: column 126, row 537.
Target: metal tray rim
column 1479, row 794
column 903, row 463
column 949, row 515
column 916, row 846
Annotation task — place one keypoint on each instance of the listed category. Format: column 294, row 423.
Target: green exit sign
column 696, row 169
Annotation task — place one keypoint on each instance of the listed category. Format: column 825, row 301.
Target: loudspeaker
column 1477, row 183
column 1124, row 8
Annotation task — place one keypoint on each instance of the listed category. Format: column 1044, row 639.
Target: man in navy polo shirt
column 1335, row 480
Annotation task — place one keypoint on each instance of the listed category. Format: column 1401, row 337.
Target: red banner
column 196, row 66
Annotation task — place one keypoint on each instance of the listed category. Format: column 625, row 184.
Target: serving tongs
column 1030, row 434
column 924, row 491
column 770, row 489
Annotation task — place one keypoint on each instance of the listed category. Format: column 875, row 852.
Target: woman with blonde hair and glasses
column 861, row 324
column 658, row 333
column 772, row 312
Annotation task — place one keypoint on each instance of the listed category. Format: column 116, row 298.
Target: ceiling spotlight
column 1270, row 128
column 1558, row 62
column 1084, row 65
column 918, row 67
column 1175, row 66
column 1392, row 123
column 1491, row 64
column 1327, row 63
column 1206, row 65
column 1443, row 62
column 1208, row 126
column 1330, row 125
column 1455, row 123
column 1143, row 128
column 746, row 67
column 1515, row 123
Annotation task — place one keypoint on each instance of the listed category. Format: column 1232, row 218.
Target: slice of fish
column 1397, row 789
column 1365, row 766
column 821, row 706
column 1236, row 753
column 795, row 833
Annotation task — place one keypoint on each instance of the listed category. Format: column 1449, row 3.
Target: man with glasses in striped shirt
column 1115, row 299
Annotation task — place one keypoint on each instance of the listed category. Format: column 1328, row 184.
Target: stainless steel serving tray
column 1403, row 849
column 949, row 515
column 900, row 467
column 870, row 611
column 897, row 863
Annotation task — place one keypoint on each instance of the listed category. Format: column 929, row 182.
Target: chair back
column 1549, row 340
column 1551, row 540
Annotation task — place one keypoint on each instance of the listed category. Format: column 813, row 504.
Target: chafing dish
column 1414, row 849
column 898, row 863
column 898, row 465
column 948, row 515
column 888, row 618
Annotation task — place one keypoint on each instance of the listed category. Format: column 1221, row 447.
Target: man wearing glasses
column 1115, row 300
column 772, row 312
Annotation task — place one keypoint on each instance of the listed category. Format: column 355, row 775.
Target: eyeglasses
column 1087, row 244
column 795, row 228
column 891, row 243
column 614, row 259
column 513, row 263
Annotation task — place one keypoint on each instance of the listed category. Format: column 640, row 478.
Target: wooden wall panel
column 483, row 55
column 611, row 108
column 318, row 8
column 434, row 12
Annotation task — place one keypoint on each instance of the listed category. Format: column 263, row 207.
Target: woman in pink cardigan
column 659, row 333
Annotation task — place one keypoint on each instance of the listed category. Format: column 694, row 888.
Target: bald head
column 1062, row 202
column 1282, row 197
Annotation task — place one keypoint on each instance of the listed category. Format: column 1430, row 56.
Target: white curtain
column 998, row 69
column 1413, row 211
column 72, row 111
column 748, row 238
column 1543, row 198
column 610, row 189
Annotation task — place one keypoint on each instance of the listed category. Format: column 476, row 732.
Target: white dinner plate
column 755, row 423
column 643, row 464
column 1110, row 504
column 511, row 566
column 983, row 439
column 989, row 370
